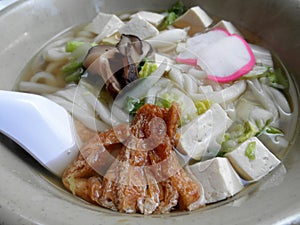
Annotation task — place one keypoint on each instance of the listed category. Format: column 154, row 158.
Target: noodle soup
column 162, row 128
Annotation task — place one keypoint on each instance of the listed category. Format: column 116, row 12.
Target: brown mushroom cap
column 135, row 47
column 117, row 65
column 93, row 54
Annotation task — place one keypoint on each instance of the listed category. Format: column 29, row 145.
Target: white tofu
column 104, row 25
column 228, row 26
column 252, row 169
column 195, row 18
column 139, row 27
column 218, row 179
column 202, row 137
column 262, row 55
column 151, row 17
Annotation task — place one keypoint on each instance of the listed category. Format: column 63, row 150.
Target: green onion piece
column 73, row 45
column 202, row 106
column 249, row 131
column 164, row 103
column 250, row 150
column 277, row 79
column 169, row 20
column 147, row 69
column 71, row 67
column 74, row 77
column 173, row 13
column 166, row 100
column 273, row 130
column 179, row 8
column 133, row 104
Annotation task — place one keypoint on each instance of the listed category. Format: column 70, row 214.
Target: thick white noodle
column 54, row 67
column 36, row 88
column 168, row 38
column 176, row 76
column 72, row 94
column 189, row 84
column 102, row 111
column 225, row 95
column 58, row 43
column 278, row 98
column 86, row 34
column 198, row 74
column 88, row 120
column 44, row 78
column 184, row 81
column 56, row 50
column 56, row 54
column 83, row 39
column 263, row 97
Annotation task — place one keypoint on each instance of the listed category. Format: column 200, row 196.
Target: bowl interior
column 30, row 194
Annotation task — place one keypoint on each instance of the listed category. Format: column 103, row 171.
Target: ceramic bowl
column 29, row 195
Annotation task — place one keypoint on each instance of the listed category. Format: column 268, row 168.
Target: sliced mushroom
column 134, row 51
column 97, row 62
column 93, row 54
column 117, row 65
column 130, row 73
column 135, row 47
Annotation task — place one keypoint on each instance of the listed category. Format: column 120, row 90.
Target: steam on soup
column 174, row 110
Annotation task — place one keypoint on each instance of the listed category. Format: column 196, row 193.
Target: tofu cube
column 151, row 17
column 195, row 18
column 228, row 26
column 202, row 137
column 255, row 167
column 217, row 177
column 139, row 27
column 104, row 25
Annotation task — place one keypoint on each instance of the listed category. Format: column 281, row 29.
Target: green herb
column 133, row 104
column 163, row 103
column 168, row 20
column 73, row 45
column 73, row 70
column 147, row 69
column 179, row 8
column 237, row 134
column 250, row 150
column 277, row 78
column 166, row 100
column 270, row 130
column 202, row 106
column 249, row 130
column 74, row 77
column 173, row 13
column 71, row 67
column 273, row 130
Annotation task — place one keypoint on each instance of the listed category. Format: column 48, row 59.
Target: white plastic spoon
column 43, row 128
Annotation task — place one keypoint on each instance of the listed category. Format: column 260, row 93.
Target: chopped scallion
column 250, row 150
